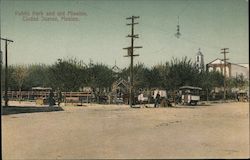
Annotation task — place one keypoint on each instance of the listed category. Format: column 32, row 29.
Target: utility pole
column 6, row 70
column 1, row 73
column 1, row 53
column 131, row 54
column 225, row 51
column 1, row 77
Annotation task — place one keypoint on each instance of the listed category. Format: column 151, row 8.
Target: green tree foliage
column 182, row 72
column 66, row 75
column 25, row 77
column 20, row 74
column 99, row 76
column 13, row 85
column 211, row 79
column 158, row 76
column 37, row 76
column 237, row 82
column 72, row 74
column 141, row 76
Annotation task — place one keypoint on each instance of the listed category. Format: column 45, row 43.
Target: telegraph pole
column 131, row 54
column 1, row 62
column 1, row 74
column 224, row 52
column 0, row 66
column 6, row 70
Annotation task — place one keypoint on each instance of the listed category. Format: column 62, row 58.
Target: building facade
column 232, row 69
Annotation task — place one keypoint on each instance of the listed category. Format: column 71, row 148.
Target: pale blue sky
column 100, row 35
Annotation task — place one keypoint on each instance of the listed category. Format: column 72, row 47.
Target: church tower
column 199, row 61
column 116, row 70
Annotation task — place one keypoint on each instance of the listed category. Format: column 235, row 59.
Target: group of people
column 143, row 100
column 158, row 100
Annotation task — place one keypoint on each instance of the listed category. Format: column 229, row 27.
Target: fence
column 85, row 97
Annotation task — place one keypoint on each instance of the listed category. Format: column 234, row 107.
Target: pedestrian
column 59, row 97
column 157, row 99
column 51, row 98
column 238, row 97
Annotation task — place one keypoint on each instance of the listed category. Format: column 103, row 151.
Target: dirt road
column 99, row 131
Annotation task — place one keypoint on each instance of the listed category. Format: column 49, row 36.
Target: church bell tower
column 199, row 61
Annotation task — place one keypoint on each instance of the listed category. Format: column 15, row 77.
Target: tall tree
column 209, row 80
column 20, row 73
column 66, row 75
column 99, row 76
column 38, row 75
column 182, row 72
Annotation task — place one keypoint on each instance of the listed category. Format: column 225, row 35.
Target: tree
column 66, row 75
column 20, row 74
column 182, row 72
column 72, row 74
column 164, row 71
column 209, row 80
column 238, row 82
column 12, row 85
column 142, row 76
column 100, row 76
column 38, row 75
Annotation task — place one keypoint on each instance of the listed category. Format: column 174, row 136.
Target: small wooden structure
column 41, row 94
column 119, row 92
column 190, row 95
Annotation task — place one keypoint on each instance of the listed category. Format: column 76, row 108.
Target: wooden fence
column 67, row 96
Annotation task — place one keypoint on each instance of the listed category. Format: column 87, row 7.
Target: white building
column 199, row 61
column 232, row 69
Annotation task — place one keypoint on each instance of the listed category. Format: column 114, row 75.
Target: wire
column 170, row 35
column 184, row 9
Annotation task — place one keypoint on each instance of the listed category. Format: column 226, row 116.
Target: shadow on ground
column 29, row 109
column 174, row 106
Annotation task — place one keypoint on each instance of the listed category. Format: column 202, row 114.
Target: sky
column 99, row 33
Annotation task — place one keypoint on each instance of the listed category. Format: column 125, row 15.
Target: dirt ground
column 117, row 131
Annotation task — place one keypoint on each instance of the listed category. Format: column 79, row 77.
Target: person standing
column 51, row 98
column 157, row 99
column 59, row 97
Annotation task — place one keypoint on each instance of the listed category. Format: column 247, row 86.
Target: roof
column 116, row 69
column 121, row 81
column 221, row 61
column 241, row 91
column 190, row 87
column 217, row 61
column 245, row 65
column 41, row 88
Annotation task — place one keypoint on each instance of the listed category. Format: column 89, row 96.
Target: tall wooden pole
column 6, row 75
column 131, row 55
column 6, row 70
column 224, row 52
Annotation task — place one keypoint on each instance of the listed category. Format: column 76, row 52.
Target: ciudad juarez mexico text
column 50, row 15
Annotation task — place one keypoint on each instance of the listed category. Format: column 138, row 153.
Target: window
column 197, row 58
